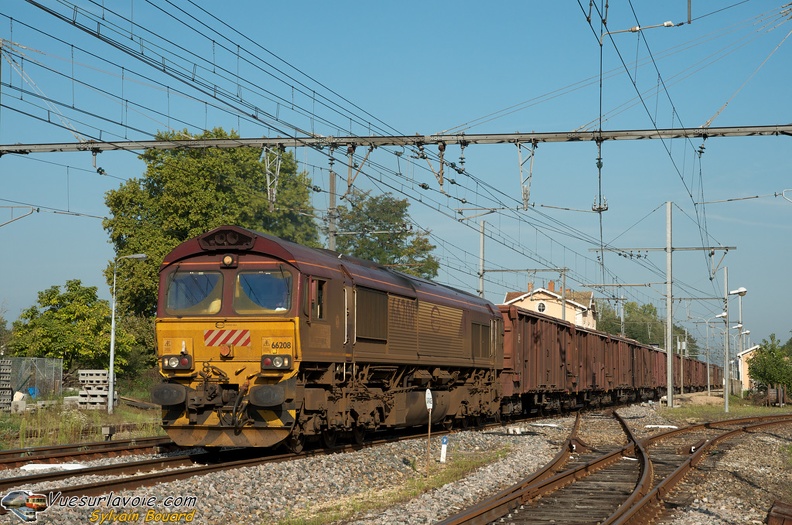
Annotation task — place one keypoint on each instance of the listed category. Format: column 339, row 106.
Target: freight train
column 263, row 342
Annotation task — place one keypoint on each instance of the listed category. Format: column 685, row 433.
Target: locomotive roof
column 320, row 262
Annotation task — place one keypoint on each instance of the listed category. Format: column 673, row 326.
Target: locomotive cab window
column 257, row 292
column 316, row 298
column 194, row 293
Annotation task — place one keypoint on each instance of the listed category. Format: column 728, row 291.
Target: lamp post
column 719, row 316
column 111, row 393
column 736, row 369
column 740, row 292
column 726, row 339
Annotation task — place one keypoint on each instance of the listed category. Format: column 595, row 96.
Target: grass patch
column 58, row 425
column 139, row 386
column 457, row 467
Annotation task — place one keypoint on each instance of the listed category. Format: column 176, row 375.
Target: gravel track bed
column 741, row 482
column 746, row 479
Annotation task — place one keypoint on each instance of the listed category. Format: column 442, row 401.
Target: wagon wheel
column 296, row 442
column 359, row 434
column 329, row 438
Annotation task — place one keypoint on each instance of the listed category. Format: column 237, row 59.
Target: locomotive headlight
column 276, row 362
column 177, row 362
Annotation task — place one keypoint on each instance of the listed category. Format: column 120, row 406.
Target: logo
column 24, row 504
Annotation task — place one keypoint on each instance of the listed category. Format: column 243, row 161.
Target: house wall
column 745, row 380
column 553, row 308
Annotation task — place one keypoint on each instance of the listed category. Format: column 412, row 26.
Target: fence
column 39, row 377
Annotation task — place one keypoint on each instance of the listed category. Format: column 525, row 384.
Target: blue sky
column 354, row 68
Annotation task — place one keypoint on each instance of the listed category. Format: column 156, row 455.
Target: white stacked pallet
column 6, row 393
column 94, row 389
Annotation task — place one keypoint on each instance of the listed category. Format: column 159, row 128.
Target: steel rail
column 536, row 485
column 540, row 483
column 645, row 510
column 15, row 458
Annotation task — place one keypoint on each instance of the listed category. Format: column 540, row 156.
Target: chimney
column 551, row 286
column 530, row 287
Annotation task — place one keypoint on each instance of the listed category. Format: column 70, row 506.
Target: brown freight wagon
column 550, row 364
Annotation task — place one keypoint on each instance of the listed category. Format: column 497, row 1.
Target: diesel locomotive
column 263, row 342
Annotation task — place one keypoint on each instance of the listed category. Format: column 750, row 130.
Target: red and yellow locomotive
column 263, row 341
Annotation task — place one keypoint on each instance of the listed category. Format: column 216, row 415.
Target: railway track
column 627, row 484
column 147, row 472
column 15, row 458
column 590, row 480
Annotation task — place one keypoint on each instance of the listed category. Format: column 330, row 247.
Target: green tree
column 72, row 324
column 771, row 364
column 185, row 192
column 788, row 345
column 140, row 357
column 376, row 229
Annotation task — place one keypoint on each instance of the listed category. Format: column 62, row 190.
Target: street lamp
column 736, row 371
column 111, row 393
column 719, row 316
column 739, row 358
column 739, row 292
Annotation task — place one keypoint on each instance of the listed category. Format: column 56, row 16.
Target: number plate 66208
column 278, row 343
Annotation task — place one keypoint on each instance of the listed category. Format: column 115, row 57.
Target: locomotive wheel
column 359, row 434
column 329, row 438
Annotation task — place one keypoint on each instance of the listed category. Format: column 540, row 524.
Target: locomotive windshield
column 262, row 292
column 194, row 293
